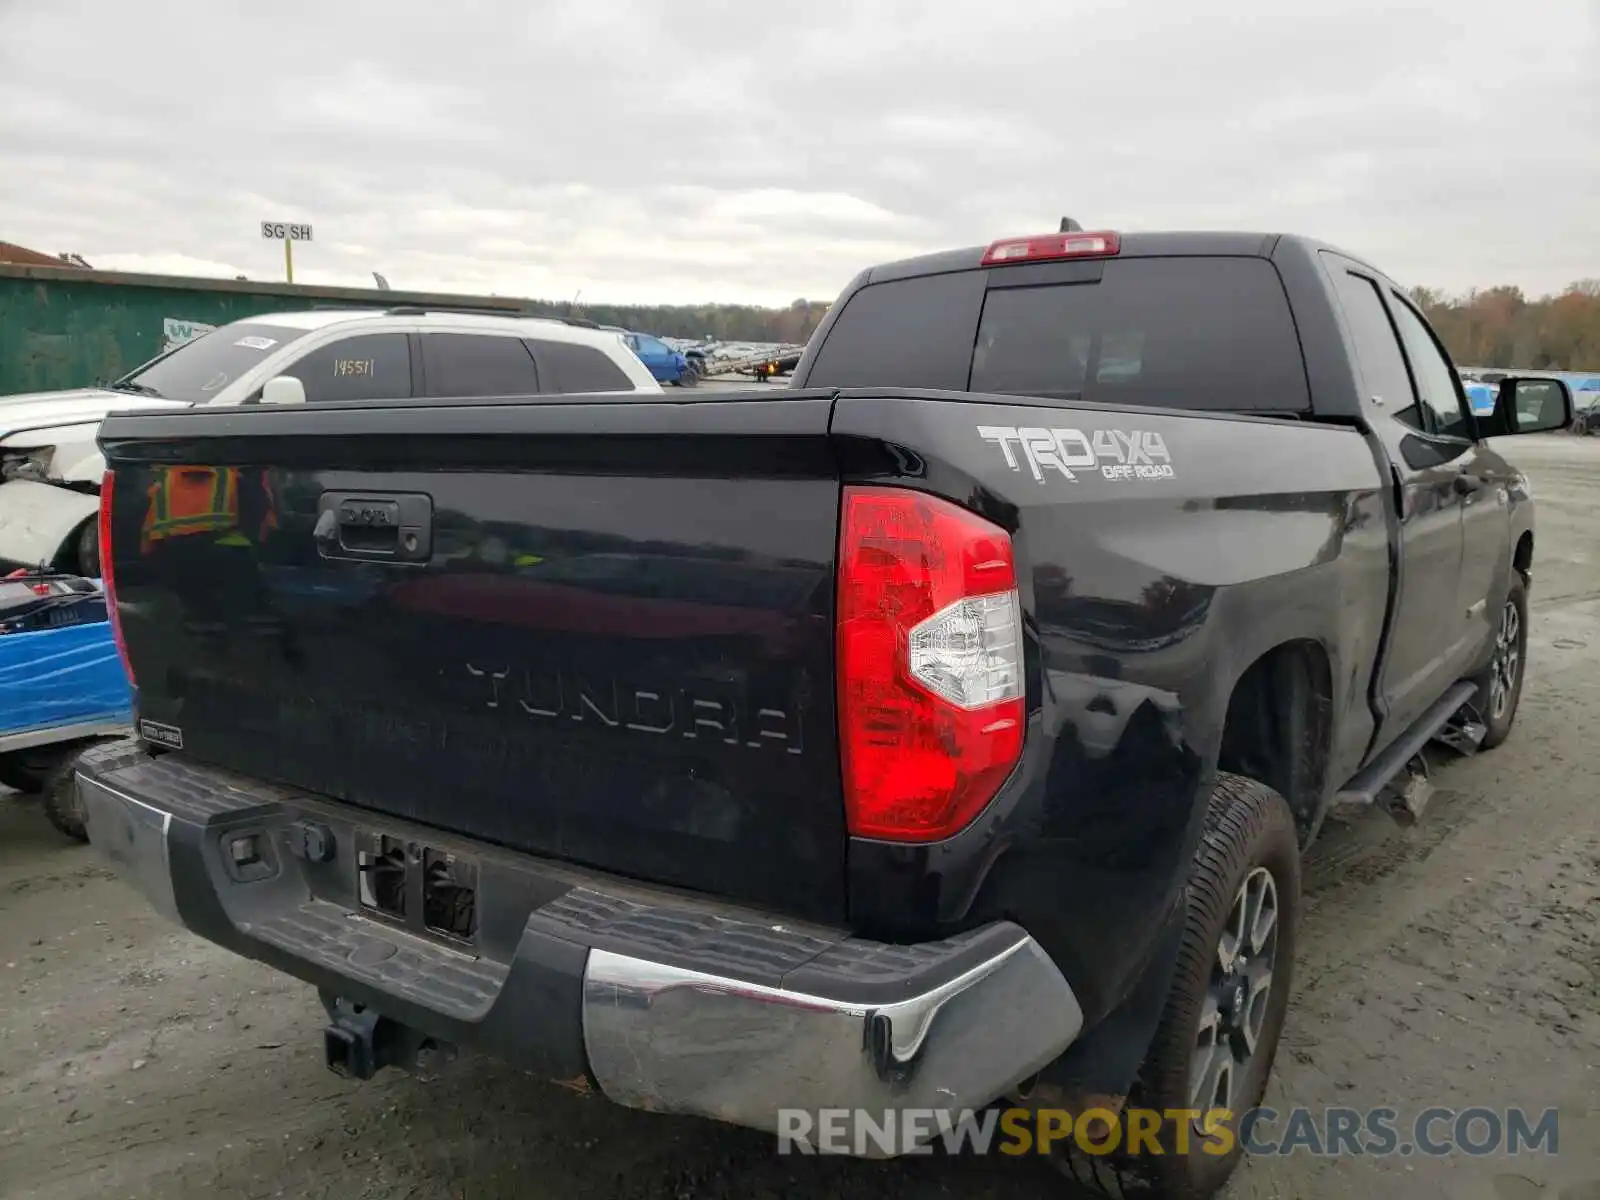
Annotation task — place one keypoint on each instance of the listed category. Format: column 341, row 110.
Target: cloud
column 704, row 151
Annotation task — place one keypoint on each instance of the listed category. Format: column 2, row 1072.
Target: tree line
column 1494, row 327
column 1501, row 327
column 722, row 322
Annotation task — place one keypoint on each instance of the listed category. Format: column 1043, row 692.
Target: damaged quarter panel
column 1159, row 554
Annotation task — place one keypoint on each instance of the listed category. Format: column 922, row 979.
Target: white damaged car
column 51, row 468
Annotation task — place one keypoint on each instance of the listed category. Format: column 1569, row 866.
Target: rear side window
column 907, row 333
column 565, row 367
column 374, row 366
column 1377, row 347
column 465, row 364
column 1192, row 333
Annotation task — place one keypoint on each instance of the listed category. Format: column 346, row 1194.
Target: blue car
column 663, row 362
column 1482, row 397
column 63, row 687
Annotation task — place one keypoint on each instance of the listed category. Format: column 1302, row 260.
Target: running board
column 1368, row 783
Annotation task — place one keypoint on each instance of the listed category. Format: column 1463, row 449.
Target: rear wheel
column 61, row 804
column 1500, row 684
column 28, row 770
column 89, row 550
column 80, row 553
column 1218, row 1035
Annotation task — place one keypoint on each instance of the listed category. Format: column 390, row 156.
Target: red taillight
column 108, row 574
column 1052, row 245
column 929, row 662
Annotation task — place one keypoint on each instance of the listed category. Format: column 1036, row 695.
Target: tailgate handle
column 375, row 526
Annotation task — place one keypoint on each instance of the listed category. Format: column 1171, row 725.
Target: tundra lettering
column 613, row 704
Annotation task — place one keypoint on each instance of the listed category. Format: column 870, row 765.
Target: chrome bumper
column 851, row 1024
column 670, row 1040
column 132, row 836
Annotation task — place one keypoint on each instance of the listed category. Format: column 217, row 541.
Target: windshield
column 196, row 371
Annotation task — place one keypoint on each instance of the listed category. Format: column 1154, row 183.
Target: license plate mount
column 426, row 889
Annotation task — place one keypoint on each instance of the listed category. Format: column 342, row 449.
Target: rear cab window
column 1211, row 333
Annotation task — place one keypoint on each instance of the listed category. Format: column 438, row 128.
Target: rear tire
column 28, row 770
column 1219, row 1032
column 80, row 552
column 89, row 550
column 1500, row 683
column 62, row 805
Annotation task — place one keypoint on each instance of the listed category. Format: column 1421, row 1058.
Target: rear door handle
column 1466, row 483
column 375, row 526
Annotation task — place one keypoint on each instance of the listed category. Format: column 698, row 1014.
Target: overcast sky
column 758, row 151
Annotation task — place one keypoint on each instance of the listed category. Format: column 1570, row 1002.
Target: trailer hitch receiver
column 359, row 1043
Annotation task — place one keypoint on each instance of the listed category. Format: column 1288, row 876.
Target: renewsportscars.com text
column 1327, row 1132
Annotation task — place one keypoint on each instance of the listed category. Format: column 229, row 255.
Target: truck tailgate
column 600, row 632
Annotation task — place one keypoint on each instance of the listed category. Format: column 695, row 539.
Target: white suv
column 50, row 466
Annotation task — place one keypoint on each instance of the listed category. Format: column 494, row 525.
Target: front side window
column 1437, row 385
column 374, row 366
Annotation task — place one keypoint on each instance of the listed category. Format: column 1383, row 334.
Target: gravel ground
column 1455, row 964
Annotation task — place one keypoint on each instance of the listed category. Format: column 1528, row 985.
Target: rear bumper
column 660, row 1001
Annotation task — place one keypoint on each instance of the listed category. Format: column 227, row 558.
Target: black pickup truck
column 942, row 728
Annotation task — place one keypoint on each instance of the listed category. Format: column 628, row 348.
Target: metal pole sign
column 288, row 234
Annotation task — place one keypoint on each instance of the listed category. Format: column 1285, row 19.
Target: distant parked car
column 1482, row 397
column 1586, row 405
column 664, row 363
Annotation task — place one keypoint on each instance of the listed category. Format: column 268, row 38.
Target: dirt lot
column 1457, row 964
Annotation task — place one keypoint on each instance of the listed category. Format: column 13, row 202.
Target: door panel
column 1485, row 504
column 1424, row 641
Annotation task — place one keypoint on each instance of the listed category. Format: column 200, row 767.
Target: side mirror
column 283, row 389
column 1529, row 405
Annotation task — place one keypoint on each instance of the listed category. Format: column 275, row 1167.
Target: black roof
column 1134, row 245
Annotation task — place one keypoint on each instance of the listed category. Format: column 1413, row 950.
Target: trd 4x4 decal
column 1113, row 453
